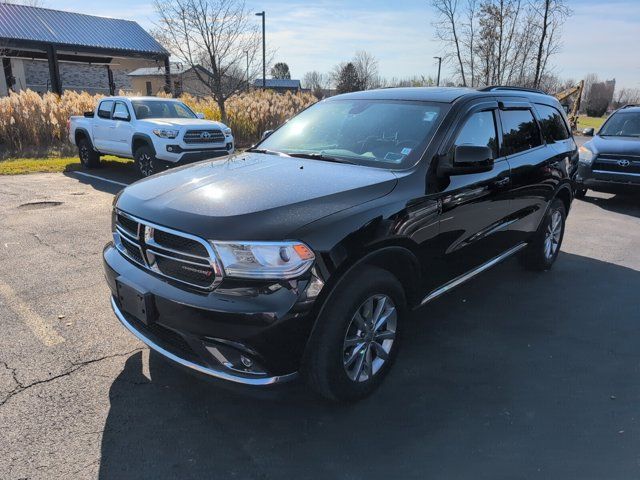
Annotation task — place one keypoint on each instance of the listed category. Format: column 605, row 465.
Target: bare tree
column 316, row 82
column 551, row 13
column 447, row 31
column 213, row 34
column 626, row 96
column 367, row 69
column 280, row 70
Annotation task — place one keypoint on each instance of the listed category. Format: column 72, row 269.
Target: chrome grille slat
column 196, row 271
column 203, row 136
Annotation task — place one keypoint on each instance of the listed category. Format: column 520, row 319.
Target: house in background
column 184, row 79
column 52, row 50
column 279, row 84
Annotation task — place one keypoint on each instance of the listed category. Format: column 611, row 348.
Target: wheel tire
column 542, row 252
column 89, row 158
column 580, row 193
column 325, row 364
column 146, row 161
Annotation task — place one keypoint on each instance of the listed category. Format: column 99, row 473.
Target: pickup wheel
column 89, row 158
column 356, row 337
column 146, row 161
column 543, row 250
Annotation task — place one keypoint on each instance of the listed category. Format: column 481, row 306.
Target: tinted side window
column 104, row 110
column 519, row 131
column 479, row 129
column 552, row 124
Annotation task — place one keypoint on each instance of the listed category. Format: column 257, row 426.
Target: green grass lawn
column 17, row 166
column 588, row 122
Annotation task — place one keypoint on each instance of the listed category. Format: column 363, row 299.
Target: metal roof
column 277, row 83
column 42, row 25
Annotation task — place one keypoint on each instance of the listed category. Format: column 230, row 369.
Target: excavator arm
column 563, row 95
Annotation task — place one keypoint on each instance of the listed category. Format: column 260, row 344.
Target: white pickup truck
column 156, row 132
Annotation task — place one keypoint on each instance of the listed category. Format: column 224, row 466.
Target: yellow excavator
column 565, row 94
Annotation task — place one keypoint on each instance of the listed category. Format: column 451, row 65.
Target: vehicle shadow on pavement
column 624, row 203
column 514, row 375
column 110, row 171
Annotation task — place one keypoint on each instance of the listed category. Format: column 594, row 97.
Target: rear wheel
column 543, row 250
column 146, row 161
column 356, row 337
column 89, row 158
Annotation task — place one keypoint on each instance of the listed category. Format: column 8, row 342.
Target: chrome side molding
column 472, row 273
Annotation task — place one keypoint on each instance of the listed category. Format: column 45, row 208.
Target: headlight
column 278, row 260
column 586, row 156
column 226, row 131
column 166, row 132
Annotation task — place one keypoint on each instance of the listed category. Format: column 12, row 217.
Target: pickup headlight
column 166, row 132
column 586, row 156
column 276, row 260
column 226, row 131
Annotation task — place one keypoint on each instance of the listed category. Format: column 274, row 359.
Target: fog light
column 233, row 359
column 246, row 361
column 170, row 149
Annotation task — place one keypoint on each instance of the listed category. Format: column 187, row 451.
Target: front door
column 122, row 131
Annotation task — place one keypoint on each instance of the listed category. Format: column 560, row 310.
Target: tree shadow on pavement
column 513, row 375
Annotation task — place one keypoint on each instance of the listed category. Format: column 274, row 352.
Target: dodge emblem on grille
column 624, row 162
column 206, row 273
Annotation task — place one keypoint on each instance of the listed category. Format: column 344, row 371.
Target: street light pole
column 264, row 51
column 439, row 64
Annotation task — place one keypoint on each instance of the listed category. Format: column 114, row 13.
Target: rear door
column 103, row 126
column 536, row 165
column 476, row 207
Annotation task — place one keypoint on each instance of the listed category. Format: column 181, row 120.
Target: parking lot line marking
column 101, row 178
column 38, row 325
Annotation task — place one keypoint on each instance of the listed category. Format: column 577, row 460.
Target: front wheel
column 356, row 336
column 543, row 250
column 146, row 161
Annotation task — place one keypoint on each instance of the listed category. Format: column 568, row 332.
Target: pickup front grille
column 171, row 254
column 203, row 136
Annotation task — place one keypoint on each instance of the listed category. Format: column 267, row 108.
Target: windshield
column 383, row 133
column 622, row 124
column 161, row 109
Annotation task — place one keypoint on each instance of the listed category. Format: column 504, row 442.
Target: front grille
column 176, row 242
column 617, row 163
column 174, row 255
column 203, row 136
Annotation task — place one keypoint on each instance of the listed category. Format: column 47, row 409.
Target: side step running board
column 472, row 273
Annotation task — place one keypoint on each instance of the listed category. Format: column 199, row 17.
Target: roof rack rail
column 630, row 105
column 493, row 88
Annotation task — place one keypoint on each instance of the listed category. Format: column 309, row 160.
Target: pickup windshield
column 383, row 133
column 161, row 109
column 622, row 124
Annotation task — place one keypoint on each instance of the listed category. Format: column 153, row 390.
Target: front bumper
column 605, row 180
column 266, row 324
column 174, row 151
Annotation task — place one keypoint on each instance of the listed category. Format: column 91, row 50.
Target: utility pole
column 248, row 84
column 264, row 51
column 439, row 65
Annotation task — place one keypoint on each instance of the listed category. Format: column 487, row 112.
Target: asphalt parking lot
column 514, row 375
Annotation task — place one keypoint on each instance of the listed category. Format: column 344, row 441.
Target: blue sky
column 601, row 37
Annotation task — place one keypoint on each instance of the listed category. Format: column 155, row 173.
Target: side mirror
column 469, row 159
column 200, row 115
column 588, row 132
column 266, row 134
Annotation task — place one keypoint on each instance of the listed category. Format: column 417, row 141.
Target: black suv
column 307, row 253
column 610, row 162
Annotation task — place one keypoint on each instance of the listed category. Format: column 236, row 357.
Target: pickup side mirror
column 200, row 115
column 468, row 159
column 588, row 132
column 266, row 134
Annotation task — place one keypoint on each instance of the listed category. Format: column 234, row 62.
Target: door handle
column 503, row 182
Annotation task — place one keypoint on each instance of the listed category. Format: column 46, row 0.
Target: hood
column 252, row 196
column 614, row 145
column 180, row 122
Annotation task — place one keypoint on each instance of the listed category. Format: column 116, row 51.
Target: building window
column 149, row 89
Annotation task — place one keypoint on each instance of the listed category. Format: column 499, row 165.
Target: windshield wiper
column 264, row 150
column 320, row 156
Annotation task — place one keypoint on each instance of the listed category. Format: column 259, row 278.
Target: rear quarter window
column 519, row 131
column 552, row 124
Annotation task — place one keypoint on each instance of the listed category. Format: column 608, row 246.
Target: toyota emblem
column 624, row 162
column 205, row 135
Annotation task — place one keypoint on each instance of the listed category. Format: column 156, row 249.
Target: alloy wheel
column 84, row 154
column 553, row 234
column 145, row 164
column 370, row 337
